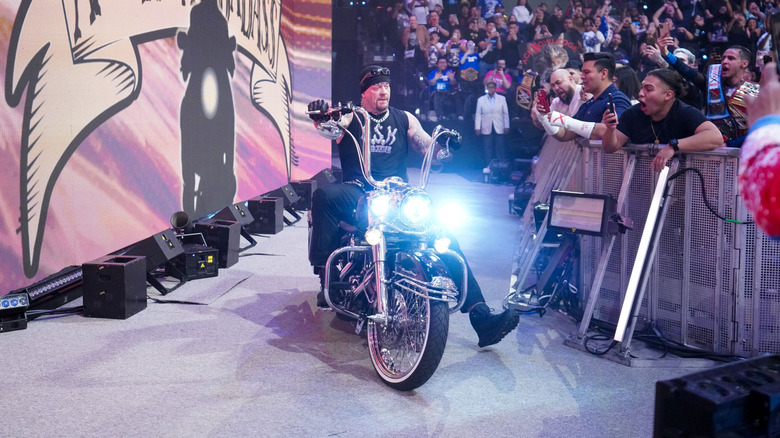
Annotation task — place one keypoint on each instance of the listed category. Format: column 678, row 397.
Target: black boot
column 321, row 302
column 492, row 328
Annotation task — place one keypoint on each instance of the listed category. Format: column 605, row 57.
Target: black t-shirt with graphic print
column 389, row 147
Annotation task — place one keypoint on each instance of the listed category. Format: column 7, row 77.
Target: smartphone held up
column 543, row 102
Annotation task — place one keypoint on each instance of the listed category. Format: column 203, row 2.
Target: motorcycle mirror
column 444, row 156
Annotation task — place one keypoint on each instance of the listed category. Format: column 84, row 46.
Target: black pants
column 493, row 146
column 337, row 202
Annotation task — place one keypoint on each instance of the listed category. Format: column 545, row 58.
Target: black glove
column 454, row 142
column 322, row 107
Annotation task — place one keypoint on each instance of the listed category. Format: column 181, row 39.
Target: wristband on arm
column 583, row 129
column 550, row 129
column 670, row 58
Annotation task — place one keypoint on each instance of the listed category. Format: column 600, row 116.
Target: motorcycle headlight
column 442, row 244
column 373, row 236
column 415, row 208
column 380, row 204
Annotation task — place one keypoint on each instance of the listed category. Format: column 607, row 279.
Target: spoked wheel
column 407, row 350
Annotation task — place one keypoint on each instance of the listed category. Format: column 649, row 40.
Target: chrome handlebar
column 332, row 130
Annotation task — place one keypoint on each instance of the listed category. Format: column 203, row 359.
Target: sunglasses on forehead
column 383, row 71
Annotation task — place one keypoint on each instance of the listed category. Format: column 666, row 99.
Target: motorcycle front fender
column 426, row 265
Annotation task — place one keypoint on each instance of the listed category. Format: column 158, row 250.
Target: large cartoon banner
column 119, row 113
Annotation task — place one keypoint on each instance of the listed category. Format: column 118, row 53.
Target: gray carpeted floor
column 259, row 360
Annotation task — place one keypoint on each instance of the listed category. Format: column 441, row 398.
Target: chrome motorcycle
column 389, row 273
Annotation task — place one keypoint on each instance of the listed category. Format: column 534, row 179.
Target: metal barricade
column 714, row 285
column 558, row 163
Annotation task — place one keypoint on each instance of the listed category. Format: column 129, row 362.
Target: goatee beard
column 566, row 98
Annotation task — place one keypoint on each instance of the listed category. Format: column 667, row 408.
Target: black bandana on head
column 373, row 74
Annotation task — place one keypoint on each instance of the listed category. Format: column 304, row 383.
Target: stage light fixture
column 180, row 221
column 159, row 249
column 53, row 291
column 289, row 197
column 645, row 247
column 13, row 308
column 238, row 213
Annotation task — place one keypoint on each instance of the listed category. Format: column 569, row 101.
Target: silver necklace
column 378, row 121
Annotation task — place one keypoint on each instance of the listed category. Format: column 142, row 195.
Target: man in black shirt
column 571, row 34
column 474, row 33
column 512, row 49
column 662, row 119
column 393, row 133
column 615, row 48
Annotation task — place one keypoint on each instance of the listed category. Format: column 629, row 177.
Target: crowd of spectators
column 450, row 50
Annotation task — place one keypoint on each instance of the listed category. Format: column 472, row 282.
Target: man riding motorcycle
column 333, row 206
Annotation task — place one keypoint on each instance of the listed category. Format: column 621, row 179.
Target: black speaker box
column 287, row 193
column 499, row 171
column 158, row 249
column 114, row 286
column 225, row 236
column 304, row 189
column 521, row 168
column 268, row 213
column 198, row 261
column 523, row 194
column 236, row 212
column 738, row 399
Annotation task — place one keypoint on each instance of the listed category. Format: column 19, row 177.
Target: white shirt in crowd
column 522, row 14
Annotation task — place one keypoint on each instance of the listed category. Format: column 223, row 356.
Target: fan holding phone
column 661, row 119
column 564, row 97
column 598, row 71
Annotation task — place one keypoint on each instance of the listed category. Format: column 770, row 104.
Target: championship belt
column 524, row 96
column 717, row 109
column 738, row 105
column 469, row 74
column 716, row 101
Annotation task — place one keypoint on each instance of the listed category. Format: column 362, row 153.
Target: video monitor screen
column 578, row 212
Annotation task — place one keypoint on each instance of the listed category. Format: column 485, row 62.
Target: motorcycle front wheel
column 407, row 349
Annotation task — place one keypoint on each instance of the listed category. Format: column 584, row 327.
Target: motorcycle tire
column 407, row 350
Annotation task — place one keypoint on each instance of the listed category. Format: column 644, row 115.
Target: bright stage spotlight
column 451, row 215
